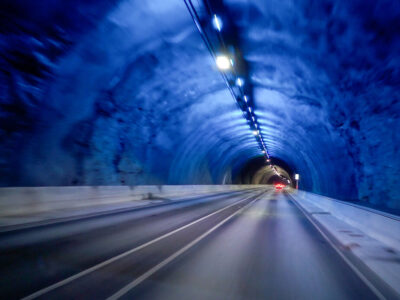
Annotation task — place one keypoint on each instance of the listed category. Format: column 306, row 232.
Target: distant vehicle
column 279, row 186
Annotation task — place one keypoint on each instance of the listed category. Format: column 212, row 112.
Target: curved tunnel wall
column 125, row 92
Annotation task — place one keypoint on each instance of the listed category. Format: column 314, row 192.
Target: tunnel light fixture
column 217, row 23
column 223, row 62
column 297, row 178
column 240, row 82
column 226, row 62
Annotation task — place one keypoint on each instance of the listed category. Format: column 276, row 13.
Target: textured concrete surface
column 369, row 235
column 31, row 206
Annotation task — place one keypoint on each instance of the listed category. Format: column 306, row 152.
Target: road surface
column 243, row 245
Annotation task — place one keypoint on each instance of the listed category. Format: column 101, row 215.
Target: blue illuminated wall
column 125, row 92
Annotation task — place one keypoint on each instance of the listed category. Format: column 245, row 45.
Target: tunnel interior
column 126, row 93
column 257, row 171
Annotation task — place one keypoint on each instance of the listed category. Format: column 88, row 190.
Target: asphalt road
column 249, row 245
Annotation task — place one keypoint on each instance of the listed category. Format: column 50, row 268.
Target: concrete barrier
column 381, row 226
column 370, row 239
column 25, row 201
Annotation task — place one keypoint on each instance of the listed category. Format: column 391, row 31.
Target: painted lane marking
column 166, row 261
column 347, row 261
column 122, row 255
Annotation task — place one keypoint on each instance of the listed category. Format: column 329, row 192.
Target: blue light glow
column 217, row 23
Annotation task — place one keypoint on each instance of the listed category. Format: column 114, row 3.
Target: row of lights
column 225, row 63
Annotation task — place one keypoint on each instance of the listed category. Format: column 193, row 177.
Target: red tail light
column 279, row 186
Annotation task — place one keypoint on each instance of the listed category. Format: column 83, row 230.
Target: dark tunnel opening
column 260, row 171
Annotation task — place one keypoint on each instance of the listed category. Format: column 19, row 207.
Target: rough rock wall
column 332, row 69
column 133, row 98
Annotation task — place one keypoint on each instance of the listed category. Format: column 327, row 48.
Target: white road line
column 166, row 261
column 349, row 263
column 122, row 255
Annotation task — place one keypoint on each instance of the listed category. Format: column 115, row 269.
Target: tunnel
column 200, row 149
column 116, row 93
column 257, row 172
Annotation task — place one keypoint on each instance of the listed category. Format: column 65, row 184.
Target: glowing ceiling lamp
column 223, row 62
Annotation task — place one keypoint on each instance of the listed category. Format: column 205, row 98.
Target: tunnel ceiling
column 126, row 92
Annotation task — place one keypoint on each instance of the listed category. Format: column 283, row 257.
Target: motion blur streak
column 270, row 245
column 237, row 246
column 112, row 236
